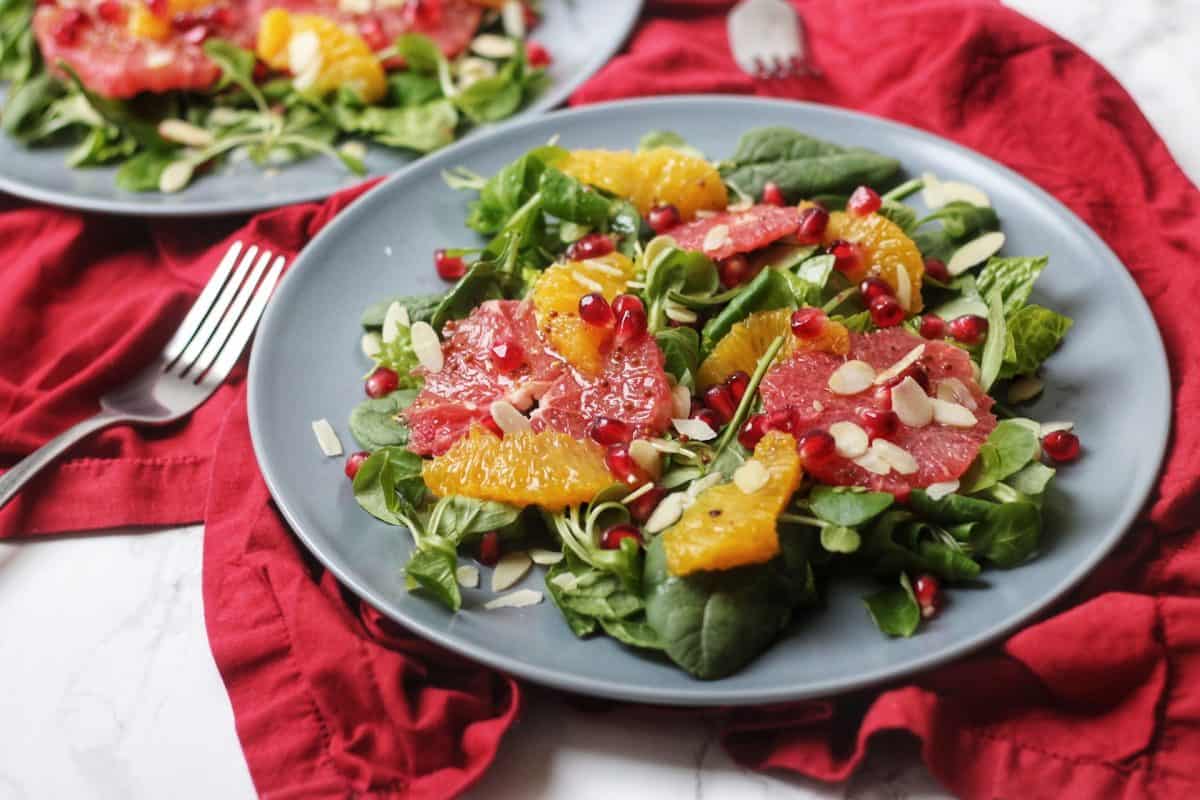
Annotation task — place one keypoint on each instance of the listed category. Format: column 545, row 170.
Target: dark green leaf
column 420, row 309
column 899, row 213
column 408, row 89
column 388, row 484
column 1005, row 534
column 568, row 199
column 1008, row 448
column 895, row 611
column 510, row 188
column 375, row 422
column 769, row 290
column 1035, row 333
column 681, row 353
column 1012, row 277
column 457, row 519
column 420, row 53
column 433, row 571
column 843, row 506
column 141, row 173
column 422, row 128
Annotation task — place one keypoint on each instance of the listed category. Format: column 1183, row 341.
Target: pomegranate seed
column 606, row 431
column 772, row 194
column 733, row 271
column 875, row 287
column 863, row 201
column 928, row 591
column 489, row 549
column 627, row 302
column 449, row 268
column 373, row 33
column 720, row 401
column 196, row 34
column 493, row 426
column 845, row 255
column 594, row 245
column 808, row 323
column 738, row 382
column 111, row 11
column 537, row 55
column 222, row 16
column 531, row 16
column 879, row 423
column 631, row 325
column 914, row 371
column 507, row 356
column 70, row 25
column 709, row 417
column 817, row 446
column 968, row 329
column 813, row 221
column 595, row 310
column 623, row 467
column 883, row 396
column 933, row 327
column 641, row 508
column 781, row 421
column 612, row 538
column 663, row 218
column 752, row 430
column 261, row 71
column 159, row 8
column 936, row 269
column 886, row 311
column 354, row 461
column 1061, row 446
column 382, row 382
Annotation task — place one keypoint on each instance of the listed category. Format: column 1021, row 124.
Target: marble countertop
column 111, row 690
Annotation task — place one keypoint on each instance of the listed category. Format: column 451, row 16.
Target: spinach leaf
column 420, row 309
column 960, row 222
column 843, row 506
column 897, row 542
column 899, row 213
column 457, row 519
column 1035, row 333
column 569, row 199
column 407, row 88
column 671, row 270
column 681, row 353
column 634, row 631
column 895, row 611
column 769, row 290
column 510, row 188
column 810, row 279
column 420, row 53
column 1005, row 533
column 1010, row 447
column 434, row 571
column 389, row 484
column 375, row 422
column 1012, row 277
column 420, row 128
column 487, row 279
column 142, row 172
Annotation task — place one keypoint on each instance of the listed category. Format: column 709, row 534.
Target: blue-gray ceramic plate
column 581, row 37
column 307, row 365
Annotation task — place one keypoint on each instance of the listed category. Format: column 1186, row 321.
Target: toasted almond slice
column 681, row 401
column 518, row 599
column 975, row 252
column 952, row 390
column 895, row 456
column 952, row 414
column 1025, row 388
column 716, row 238
column 678, row 313
column 175, row 176
column 427, row 346
column 1048, row 428
column 911, row 404
column 638, row 492
column 489, row 45
column 541, row 555
column 666, row 513
column 851, row 440
column 304, row 52
column 509, row 569
column 906, row 361
column 508, row 418
column 185, row 133
column 646, row 456
column 327, row 438
column 512, row 16
column 958, row 190
column 696, row 429
column 395, row 319
column 371, row 344
column 751, row 476
column 851, row 378
column 931, row 192
column 467, row 576
column 937, row 491
column 872, row 462
column 700, row 484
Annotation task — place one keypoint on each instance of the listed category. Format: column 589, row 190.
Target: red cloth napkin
column 330, row 700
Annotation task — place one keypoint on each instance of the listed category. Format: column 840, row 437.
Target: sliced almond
column 696, row 429
column 911, row 404
column 700, row 484
column 937, row 491
column 353, row 149
column 1048, row 428
column 371, row 344
column 427, row 346
column 872, row 462
column 489, row 45
column 395, row 319
column 355, row 6
column 751, row 476
column 681, row 401
column 745, row 204
column 1025, row 388
column 646, row 456
column 175, row 176
column 952, row 414
column 641, row 491
column 603, row 267
column 185, row 133
column 965, row 192
column 895, row 456
column 327, row 438
column 906, row 361
column 931, row 192
column 904, row 289
column 565, row 581
column 509, row 569
column 666, row 513
column 851, row 378
column 590, row 284
column 508, row 418
column 541, row 555
column 851, row 440
column 518, row 599
column 716, row 238
column 952, row 390
column 678, row 313
column 975, row 252
column 304, row 52
column 467, row 576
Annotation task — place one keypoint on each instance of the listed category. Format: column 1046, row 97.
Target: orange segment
column 744, row 345
column 327, row 55
column 556, row 301
column 726, row 527
column 652, row 177
column 549, row 469
column 886, row 252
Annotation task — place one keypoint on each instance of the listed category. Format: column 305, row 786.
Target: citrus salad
column 699, row 391
column 169, row 88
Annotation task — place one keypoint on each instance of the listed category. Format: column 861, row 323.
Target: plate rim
column 552, row 97
column 708, row 693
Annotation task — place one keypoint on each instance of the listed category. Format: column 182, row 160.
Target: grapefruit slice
column 733, row 232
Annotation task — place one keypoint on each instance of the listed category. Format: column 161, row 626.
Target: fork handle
column 24, row 470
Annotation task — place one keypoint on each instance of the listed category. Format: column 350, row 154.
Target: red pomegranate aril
column 381, row 383
column 611, row 539
column 623, row 467
column 813, row 221
column 627, row 302
column 879, row 423
column 936, row 269
column 886, row 311
column 914, row 371
column 709, row 417
column 738, row 382
column 928, row 591
column 663, row 218
column 354, row 461
column 594, row 245
column 70, row 25
column 772, row 194
column 221, row 16
column 882, row 396
column 875, row 287
column 507, row 356
column 372, row 32
column 449, row 268
column 719, row 400
column 817, row 446
column 531, row 16
column 640, row 508
column 752, row 430
column 489, row 549
column 863, row 201
column 537, row 55
column 808, row 323
column 595, row 310
column 494, row 427
column 781, row 420
column 1061, row 446
column 968, row 329
column 933, row 327
column 845, row 255
column 607, row 431
column 631, row 326
column 733, row 271
column 111, row 11
column 159, row 8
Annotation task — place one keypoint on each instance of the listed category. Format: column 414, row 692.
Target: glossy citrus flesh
column 886, row 252
column 341, row 58
column 549, row 469
column 726, row 527
column 556, row 300
column 662, row 176
column 145, row 24
column 748, row 340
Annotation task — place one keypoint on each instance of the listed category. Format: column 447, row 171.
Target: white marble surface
column 110, row 689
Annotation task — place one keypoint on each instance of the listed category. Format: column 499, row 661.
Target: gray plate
column 580, row 36
column 306, row 365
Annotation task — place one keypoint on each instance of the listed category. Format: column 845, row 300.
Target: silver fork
column 767, row 39
column 198, row 358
